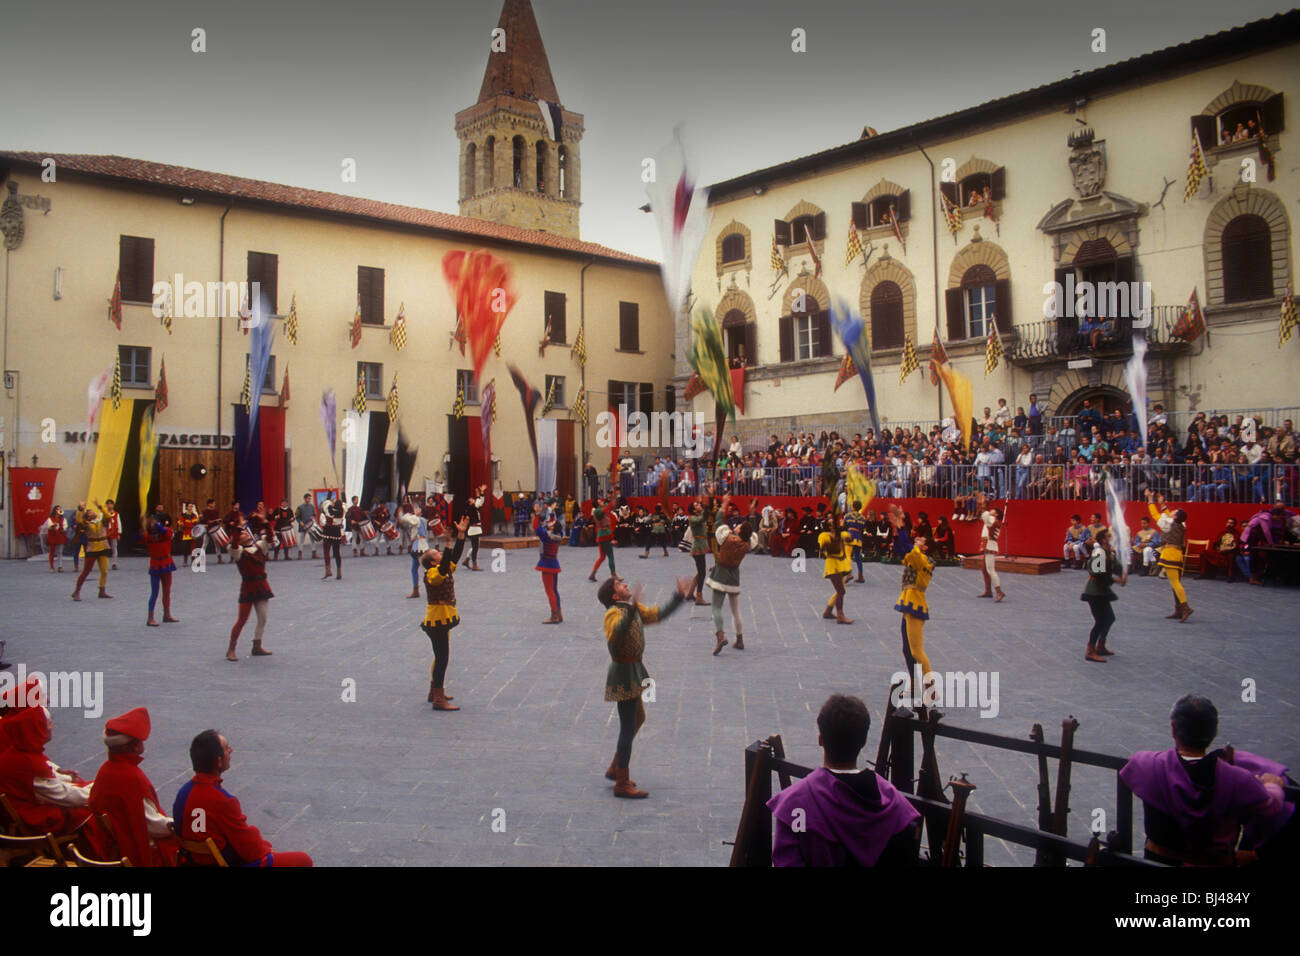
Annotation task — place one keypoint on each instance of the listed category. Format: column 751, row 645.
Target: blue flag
column 259, row 356
column 853, row 333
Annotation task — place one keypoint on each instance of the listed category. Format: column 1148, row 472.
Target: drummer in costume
column 380, row 516
column 548, row 563
column 992, row 519
column 158, row 542
column 415, row 528
column 627, row 677
column 917, row 571
column 1173, row 531
column 254, row 591
column 835, row 543
column 441, row 615
column 1103, row 569
column 355, row 518
column 233, row 524
column 282, row 529
column 331, row 531
column 210, row 521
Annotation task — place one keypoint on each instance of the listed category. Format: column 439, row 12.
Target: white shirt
column 990, row 543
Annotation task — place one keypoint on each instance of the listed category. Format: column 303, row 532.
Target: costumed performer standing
column 1173, row 532
column 992, row 520
column 254, row 591
column 835, row 543
column 724, row 578
column 1103, row 569
column 158, row 542
column 441, row 615
column 93, row 526
column 548, row 563
column 626, row 678
column 917, row 571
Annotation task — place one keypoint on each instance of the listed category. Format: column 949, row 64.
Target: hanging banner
column 32, row 492
column 546, row 454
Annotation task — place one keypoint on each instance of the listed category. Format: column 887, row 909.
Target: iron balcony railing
column 1066, row 337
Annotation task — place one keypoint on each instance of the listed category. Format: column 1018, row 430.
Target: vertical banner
column 374, row 477
column 248, row 463
column 31, row 491
column 110, row 452
column 270, row 423
column 546, row 451
column 478, row 472
column 356, row 441
column 458, row 432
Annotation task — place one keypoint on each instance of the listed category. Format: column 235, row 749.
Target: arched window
column 518, row 178
column 541, row 166
column 886, row 316
column 562, row 174
column 733, row 248
column 490, row 162
column 797, row 227
column 879, row 210
column 471, row 177
column 1247, row 259
column 739, row 334
column 978, row 285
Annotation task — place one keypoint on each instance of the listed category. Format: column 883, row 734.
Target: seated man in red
column 121, row 790
column 838, row 815
column 204, row 809
column 46, row 798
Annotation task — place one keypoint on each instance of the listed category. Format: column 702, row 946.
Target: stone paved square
column 385, row 780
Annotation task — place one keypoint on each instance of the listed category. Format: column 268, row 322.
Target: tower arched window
column 733, row 248
column 541, row 166
column 562, row 174
column 887, row 316
column 490, row 162
column 471, row 174
column 1247, row 259
column 517, row 178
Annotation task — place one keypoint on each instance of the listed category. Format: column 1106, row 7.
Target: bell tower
column 519, row 148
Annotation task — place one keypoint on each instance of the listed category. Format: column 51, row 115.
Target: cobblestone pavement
column 384, row 780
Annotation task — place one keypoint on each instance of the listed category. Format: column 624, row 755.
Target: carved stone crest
column 1087, row 163
column 11, row 218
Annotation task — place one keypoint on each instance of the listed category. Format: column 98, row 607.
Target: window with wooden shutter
column 886, row 316
column 751, row 347
column 949, row 192
column 819, row 226
column 1271, row 113
column 554, row 312
column 374, row 376
column 1206, row 129
column 466, row 385
column 629, row 327
column 1002, row 304
column 859, row 213
column 905, row 206
column 822, row 346
column 733, row 248
column 370, row 291
column 1067, row 324
column 998, row 182
column 781, row 230
column 1247, row 260
column 555, row 383
column 803, row 227
column 647, row 404
column 264, row 268
column 786, row 334
column 135, row 264
column 956, row 310
column 979, row 289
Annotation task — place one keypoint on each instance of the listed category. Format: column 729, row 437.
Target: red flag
column 693, row 387
column 160, row 392
column 812, row 251
column 484, row 294
column 354, row 331
column 938, row 356
column 284, row 389
column 115, row 303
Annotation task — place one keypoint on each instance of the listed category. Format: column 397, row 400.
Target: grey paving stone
column 385, row 780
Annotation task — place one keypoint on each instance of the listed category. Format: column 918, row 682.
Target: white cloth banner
column 355, row 436
column 546, row 454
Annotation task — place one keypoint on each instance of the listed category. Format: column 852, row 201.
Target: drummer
column 306, row 519
column 282, row 525
column 356, row 516
column 210, row 521
column 188, row 520
column 382, row 519
column 233, row 523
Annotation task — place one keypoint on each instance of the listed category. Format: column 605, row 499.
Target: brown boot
column 440, row 700
column 625, row 787
column 1093, row 656
column 1103, row 650
column 1186, row 612
column 611, row 772
column 103, row 592
column 1178, row 611
column 829, row 613
column 259, row 651
column 553, row 619
column 76, row 595
column 740, row 642
column 722, row 642
column 415, row 593
column 151, row 622
column 999, row 597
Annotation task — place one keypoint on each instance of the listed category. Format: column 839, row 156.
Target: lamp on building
column 186, row 200
column 759, row 190
column 34, row 460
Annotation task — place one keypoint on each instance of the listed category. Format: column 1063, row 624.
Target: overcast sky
column 286, row 91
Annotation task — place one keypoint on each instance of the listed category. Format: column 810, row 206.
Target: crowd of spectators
column 1025, row 454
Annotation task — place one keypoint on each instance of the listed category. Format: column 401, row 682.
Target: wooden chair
column 80, row 859
column 1192, row 561
column 12, row 823
column 40, row 849
column 206, row 847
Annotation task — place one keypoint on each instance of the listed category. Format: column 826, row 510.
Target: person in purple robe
column 839, row 815
column 1195, row 801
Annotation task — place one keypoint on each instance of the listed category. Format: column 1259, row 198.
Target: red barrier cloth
column 31, row 496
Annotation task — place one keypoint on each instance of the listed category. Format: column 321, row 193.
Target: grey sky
column 286, row 91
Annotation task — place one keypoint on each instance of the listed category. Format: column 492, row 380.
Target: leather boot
column 432, row 689
column 740, row 642
column 103, row 592
column 625, row 787
column 611, row 772
column 258, row 650
column 440, row 700
column 1093, row 656
column 554, row 618
column 722, row 642
column 1178, row 611
column 1186, row 612
column 829, row 613
column 1103, row 650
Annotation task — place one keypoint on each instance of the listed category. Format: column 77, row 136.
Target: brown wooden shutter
column 859, row 211
column 611, row 394
column 819, row 226
column 629, row 333
column 1002, row 303
column 1124, row 273
column 956, row 315
column 144, row 270
column 905, row 206
column 823, row 320
column 998, row 183
column 782, row 232
column 363, row 292
column 1066, row 324
column 949, row 191
column 271, row 282
column 751, row 355
column 786, row 331
column 1204, row 126
column 1271, row 113
column 377, row 296
column 554, row 307
column 126, row 267
column 647, row 404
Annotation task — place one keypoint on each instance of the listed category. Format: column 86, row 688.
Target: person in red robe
column 220, row 816
column 47, row 798
column 782, row 540
column 143, row 833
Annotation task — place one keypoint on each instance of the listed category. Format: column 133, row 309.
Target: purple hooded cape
column 1262, row 828
column 839, row 827
column 1208, row 818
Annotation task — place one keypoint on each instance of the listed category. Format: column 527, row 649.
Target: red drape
column 478, row 473
column 31, row 496
column 271, row 425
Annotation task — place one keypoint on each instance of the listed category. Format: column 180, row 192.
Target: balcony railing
column 1068, row 337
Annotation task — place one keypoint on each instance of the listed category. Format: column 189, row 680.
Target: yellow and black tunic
column 835, row 552
column 440, row 590
column 1174, row 538
column 917, row 571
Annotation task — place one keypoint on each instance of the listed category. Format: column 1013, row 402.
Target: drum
column 219, row 536
column 313, row 531
column 288, row 539
column 368, row 532
column 198, row 531
column 389, row 531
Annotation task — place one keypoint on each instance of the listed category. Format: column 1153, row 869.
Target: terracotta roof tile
column 126, row 170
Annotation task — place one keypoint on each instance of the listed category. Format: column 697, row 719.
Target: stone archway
column 1104, row 398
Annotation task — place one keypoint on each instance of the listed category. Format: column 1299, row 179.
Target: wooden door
column 177, row 482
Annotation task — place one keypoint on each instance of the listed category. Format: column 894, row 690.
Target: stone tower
column 515, row 167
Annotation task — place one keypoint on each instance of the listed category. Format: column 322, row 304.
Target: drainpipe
column 582, row 325
column 934, row 252
column 221, row 308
